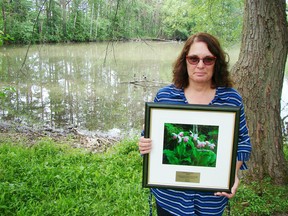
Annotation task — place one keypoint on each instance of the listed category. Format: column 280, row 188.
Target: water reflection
column 94, row 86
column 79, row 85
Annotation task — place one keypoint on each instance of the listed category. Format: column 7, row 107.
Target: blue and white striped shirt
column 189, row 202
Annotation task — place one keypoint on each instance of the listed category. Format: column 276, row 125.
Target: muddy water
column 93, row 86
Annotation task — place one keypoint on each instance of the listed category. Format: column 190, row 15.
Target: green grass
column 49, row 178
column 260, row 198
column 52, row 179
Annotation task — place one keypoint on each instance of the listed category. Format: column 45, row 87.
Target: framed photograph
column 193, row 146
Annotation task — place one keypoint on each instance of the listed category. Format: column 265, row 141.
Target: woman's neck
column 199, row 93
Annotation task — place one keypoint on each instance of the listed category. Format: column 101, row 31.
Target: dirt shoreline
column 94, row 143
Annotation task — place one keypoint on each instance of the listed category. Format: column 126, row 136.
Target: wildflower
column 185, row 139
column 200, row 144
column 203, row 144
column 174, row 136
column 212, row 145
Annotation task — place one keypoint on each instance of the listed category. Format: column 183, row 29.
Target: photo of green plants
column 194, row 145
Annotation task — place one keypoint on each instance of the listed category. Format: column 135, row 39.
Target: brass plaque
column 187, row 177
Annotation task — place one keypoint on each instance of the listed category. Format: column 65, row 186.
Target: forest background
column 46, row 21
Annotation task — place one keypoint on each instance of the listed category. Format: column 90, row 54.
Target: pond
column 96, row 87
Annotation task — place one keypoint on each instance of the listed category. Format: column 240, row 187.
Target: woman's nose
column 201, row 64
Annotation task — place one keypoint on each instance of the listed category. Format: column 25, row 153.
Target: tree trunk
column 4, row 16
column 64, row 17
column 259, row 75
column 92, row 19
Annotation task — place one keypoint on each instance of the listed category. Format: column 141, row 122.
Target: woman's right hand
column 145, row 145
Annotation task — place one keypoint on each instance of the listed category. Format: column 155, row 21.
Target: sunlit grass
column 49, row 178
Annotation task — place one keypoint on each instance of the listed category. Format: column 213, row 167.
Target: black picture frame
column 193, row 146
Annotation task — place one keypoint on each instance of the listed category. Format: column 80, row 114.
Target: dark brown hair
column 221, row 76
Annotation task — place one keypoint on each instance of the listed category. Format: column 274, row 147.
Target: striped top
column 188, row 202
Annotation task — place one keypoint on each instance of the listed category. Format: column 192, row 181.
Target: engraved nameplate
column 187, row 177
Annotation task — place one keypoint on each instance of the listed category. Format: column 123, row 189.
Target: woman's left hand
column 233, row 189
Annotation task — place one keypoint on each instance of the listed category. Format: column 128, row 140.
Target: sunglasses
column 194, row 60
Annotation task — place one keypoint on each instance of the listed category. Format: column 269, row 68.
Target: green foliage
column 180, row 147
column 5, row 91
column 22, row 31
column 220, row 18
column 52, row 179
column 49, row 178
column 4, row 37
column 177, row 23
column 286, row 151
column 260, row 198
column 53, row 21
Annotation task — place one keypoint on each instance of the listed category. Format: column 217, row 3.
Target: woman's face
column 199, row 72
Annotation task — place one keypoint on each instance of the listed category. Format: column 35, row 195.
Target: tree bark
column 259, row 75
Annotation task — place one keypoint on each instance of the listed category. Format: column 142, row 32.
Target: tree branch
column 33, row 31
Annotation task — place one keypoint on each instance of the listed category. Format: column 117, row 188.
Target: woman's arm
column 236, row 183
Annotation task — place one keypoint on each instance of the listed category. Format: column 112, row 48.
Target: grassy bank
column 49, row 178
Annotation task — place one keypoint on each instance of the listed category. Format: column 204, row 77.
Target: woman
column 200, row 76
